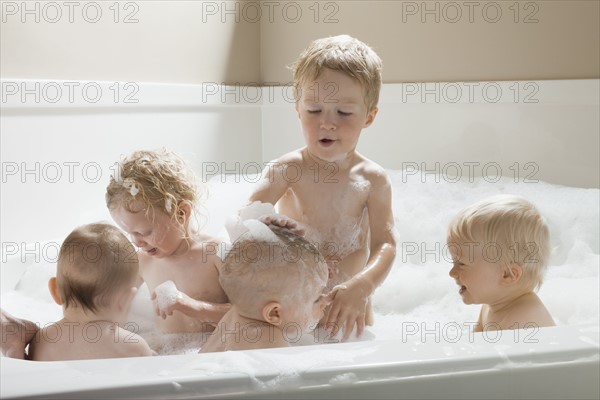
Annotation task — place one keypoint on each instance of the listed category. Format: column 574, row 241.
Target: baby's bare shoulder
column 130, row 344
column 530, row 311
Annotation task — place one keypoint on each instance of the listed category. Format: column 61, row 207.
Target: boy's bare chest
column 326, row 200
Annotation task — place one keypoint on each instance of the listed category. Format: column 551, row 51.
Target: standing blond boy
column 341, row 198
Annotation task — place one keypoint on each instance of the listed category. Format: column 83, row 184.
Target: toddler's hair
column 340, row 53
column 507, row 229
column 161, row 179
column 94, row 261
column 256, row 271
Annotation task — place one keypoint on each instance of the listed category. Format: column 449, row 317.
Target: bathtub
column 421, row 347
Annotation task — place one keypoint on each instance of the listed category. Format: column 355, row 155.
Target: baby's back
column 66, row 340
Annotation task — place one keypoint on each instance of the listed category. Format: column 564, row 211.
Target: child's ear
column 371, row 116
column 53, row 287
column 184, row 212
column 272, row 313
column 512, row 274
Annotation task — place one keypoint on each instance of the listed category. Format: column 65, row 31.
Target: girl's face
column 155, row 233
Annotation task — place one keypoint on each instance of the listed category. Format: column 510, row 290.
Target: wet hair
column 341, row 53
column 512, row 228
column 94, row 262
column 160, row 179
column 256, row 271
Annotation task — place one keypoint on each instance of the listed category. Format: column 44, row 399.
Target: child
column 500, row 247
column 342, row 199
column 275, row 280
column 152, row 198
column 94, row 283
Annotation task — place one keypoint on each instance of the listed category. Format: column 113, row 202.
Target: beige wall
column 198, row 41
column 563, row 44
column 172, row 42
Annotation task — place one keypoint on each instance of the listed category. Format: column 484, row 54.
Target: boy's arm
column 272, row 185
column 349, row 303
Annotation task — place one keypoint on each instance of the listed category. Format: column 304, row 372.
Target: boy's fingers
column 360, row 326
column 332, row 318
column 348, row 329
column 329, row 297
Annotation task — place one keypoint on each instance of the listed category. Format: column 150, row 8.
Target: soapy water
column 418, row 293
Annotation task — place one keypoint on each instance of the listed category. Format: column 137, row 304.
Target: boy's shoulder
column 293, row 157
column 371, row 171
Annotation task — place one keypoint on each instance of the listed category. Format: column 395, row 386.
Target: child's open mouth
column 462, row 289
column 326, row 142
column 151, row 252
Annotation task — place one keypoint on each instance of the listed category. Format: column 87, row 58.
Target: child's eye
column 344, row 113
column 313, row 111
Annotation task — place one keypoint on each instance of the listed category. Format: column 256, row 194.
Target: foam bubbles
column 167, row 294
column 418, row 289
column 258, row 231
column 236, row 227
column 344, row 379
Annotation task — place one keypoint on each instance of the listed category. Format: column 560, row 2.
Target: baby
column 275, row 281
column 341, row 198
column 153, row 198
column 500, row 248
column 95, row 283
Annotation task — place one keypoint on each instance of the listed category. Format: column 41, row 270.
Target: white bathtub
column 416, row 353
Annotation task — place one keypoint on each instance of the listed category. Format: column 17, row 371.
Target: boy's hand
column 283, row 222
column 348, row 307
column 16, row 335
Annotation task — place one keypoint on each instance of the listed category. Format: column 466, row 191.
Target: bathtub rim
column 391, row 360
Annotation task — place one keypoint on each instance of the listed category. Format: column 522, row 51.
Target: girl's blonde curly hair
column 159, row 178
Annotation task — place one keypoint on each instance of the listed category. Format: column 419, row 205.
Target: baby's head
column 499, row 243
column 344, row 54
column 278, row 278
column 153, row 196
column 96, row 270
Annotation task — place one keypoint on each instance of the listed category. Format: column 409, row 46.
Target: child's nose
column 327, row 122
column 452, row 272
column 138, row 241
